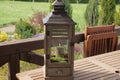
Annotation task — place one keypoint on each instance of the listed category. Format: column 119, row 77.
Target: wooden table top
column 101, row 67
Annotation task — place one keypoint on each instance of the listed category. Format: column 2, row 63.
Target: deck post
column 13, row 66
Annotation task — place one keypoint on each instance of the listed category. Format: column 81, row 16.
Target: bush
column 37, row 21
column 117, row 18
column 25, row 29
column 77, row 28
column 34, row 0
column 68, row 7
column 107, row 12
column 83, row 1
column 16, row 36
column 117, row 1
column 3, row 36
column 91, row 13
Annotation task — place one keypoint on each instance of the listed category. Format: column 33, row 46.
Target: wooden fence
column 14, row 51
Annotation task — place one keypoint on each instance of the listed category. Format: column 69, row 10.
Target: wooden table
column 101, row 67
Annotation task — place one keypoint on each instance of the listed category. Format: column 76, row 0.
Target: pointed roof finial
column 59, row 6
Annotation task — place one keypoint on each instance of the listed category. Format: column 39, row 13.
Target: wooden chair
column 99, row 39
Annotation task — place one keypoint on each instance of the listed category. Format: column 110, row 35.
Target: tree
column 107, row 11
column 117, row 1
column 91, row 13
column 68, row 7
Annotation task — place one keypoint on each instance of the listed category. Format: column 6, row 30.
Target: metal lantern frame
column 59, row 32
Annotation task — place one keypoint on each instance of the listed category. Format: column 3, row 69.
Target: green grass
column 13, row 11
column 23, row 67
column 78, row 14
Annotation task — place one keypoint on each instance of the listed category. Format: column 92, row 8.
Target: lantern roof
column 58, row 15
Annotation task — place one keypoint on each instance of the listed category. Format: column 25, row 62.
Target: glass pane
column 59, row 50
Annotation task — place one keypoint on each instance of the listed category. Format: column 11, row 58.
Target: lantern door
column 59, row 50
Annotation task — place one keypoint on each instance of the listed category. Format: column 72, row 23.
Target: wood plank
column 3, row 60
column 84, row 74
column 103, row 65
column 84, row 69
column 92, row 76
column 106, row 57
column 34, row 43
column 27, row 75
column 12, row 47
column 111, row 59
column 109, row 77
column 13, row 66
column 32, row 57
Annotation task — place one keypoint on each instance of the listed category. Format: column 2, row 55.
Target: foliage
column 91, row 13
column 3, row 36
column 26, row 9
column 25, row 29
column 58, row 59
column 71, row 1
column 37, row 21
column 7, row 37
column 68, row 7
column 107, row 11
column 117, row 1
column 16, row 36
column 84, row 1
column 24, row 66
column 50, row 4
column 117, row 18
column 78, row 51
column 33, row 0
column 77, row 28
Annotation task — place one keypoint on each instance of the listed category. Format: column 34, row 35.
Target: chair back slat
column 99, row 29
column 96, row 44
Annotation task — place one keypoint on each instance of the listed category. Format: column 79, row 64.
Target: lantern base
column 60, row 78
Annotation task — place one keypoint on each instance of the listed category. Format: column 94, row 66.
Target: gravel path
column 10, row 28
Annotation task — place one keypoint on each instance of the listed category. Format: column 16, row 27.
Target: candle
column 60, row 50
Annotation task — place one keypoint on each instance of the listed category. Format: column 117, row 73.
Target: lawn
column 13, row 11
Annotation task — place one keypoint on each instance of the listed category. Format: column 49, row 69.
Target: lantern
column 59, row 44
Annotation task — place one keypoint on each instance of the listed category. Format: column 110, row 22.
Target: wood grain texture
column 100, row 67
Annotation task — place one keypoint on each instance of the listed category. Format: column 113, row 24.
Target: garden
column 27, row 19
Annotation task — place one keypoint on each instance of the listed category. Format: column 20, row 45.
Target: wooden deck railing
column 14, row 51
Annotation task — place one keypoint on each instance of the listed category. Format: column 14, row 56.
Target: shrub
column 68, row 7
column 50, row 5
column 117, row 18
column 37, row 21
column 3, row 36
column 91, row 13
column 25, row 29
column 107, row 11
column 77, row 28
column 83, row 1
column 16, row 36
column 117, row 1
